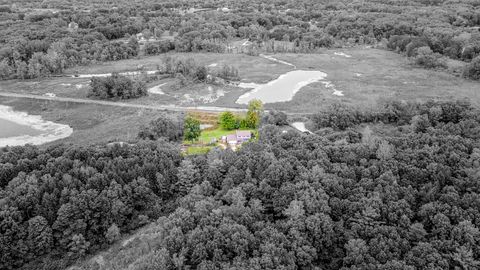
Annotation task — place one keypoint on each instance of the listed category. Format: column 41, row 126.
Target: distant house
column 72, row 26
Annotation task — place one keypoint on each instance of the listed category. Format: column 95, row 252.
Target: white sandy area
column 246, row 43
column 128, row 73
column 248, row 85
column 301, row 127
column 331, row 86
column 50, row 131
column 213, row 65
column 157, row 89
column 277, row 60
column 342, row 54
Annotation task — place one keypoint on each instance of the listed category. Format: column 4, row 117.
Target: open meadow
column 91, row 123
column 363, row 77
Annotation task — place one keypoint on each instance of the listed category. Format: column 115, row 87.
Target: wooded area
column 392, row 188
column 40, row 40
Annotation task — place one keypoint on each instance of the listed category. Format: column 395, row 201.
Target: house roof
column 243, row 133
column 231, row 137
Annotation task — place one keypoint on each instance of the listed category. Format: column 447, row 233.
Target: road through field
column 123, row 104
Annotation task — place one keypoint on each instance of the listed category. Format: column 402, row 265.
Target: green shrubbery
column 116, row 87
column 186, row 68
column 163, row 127
column 472, row 70
column 230, row 121
column 425, row 57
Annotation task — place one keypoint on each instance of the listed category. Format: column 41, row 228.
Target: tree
column 255, row 109
column 39, row 235
column 163, row 126
column 420, row 123
column 227, row 121
column 191, row 129
column 117, row 87
column 427, row 58
column 472, row 70
column 78, row 246
column 113, row 233
column 275, row 118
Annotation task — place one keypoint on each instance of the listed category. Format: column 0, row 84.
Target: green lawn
column 207, row 135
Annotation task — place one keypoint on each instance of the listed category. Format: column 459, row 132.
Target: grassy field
column 370, row 76
column 367, row 77
column 91, row 123
column 208, row 135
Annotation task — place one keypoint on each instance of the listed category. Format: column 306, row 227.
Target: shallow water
column 301, row 127
column 20, row 128
column 12, row 129
column 283, row 88
column 157, row 89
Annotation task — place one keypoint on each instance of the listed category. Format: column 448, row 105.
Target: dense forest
column 391, row 188
column 40, row 39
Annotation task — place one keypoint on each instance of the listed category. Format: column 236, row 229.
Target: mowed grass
column 207, row 136
column 198, row 150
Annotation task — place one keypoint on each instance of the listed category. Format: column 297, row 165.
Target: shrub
column 276, row 118
column 412, row 47
column 227, row 121
column 420, row 123
column 428, row 59
column 162, row 127
column 116, row 87
column 228, row 73
column 472, row 70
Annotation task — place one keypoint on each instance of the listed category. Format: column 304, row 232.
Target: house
column 243, row 136
column 231, row 139
column 240, row 136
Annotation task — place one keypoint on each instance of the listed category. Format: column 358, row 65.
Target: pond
column 282, row 89
column 12, row 129
column 301, row 127
column 19, row 128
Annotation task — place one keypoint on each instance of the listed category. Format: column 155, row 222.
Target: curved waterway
column 19, row 128
column 282, row 89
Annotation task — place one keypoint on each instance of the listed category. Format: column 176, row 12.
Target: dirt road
column 123, row 104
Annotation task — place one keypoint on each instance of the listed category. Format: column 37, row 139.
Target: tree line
column 41, row 43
